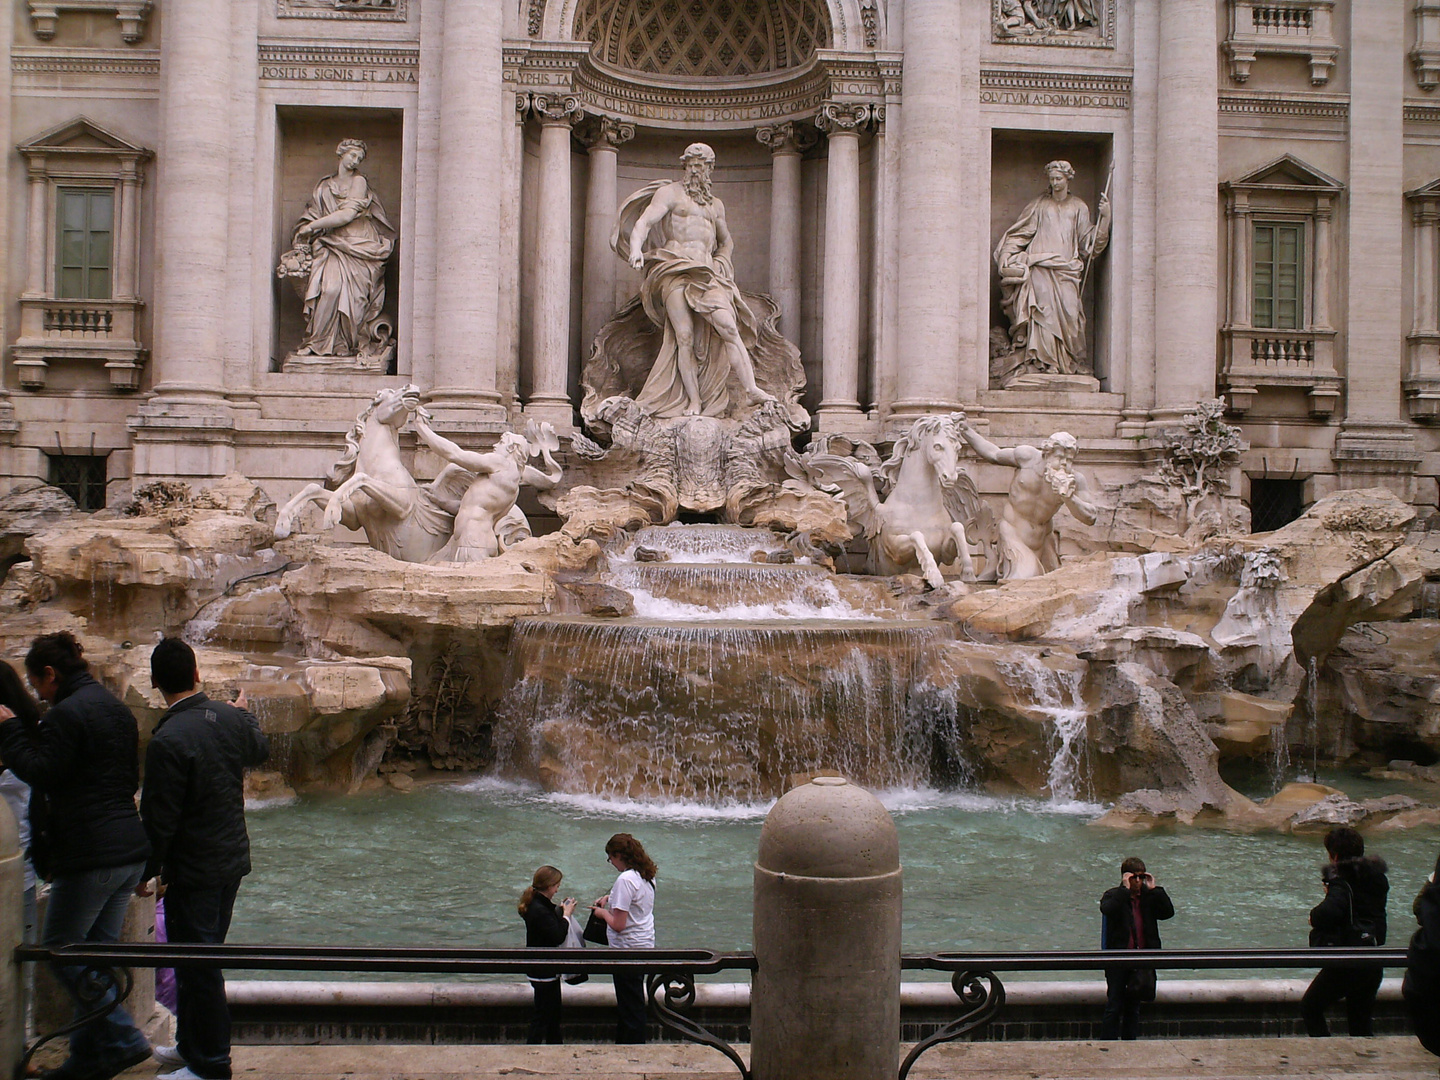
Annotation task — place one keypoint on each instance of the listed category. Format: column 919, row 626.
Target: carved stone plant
column 1197, row 456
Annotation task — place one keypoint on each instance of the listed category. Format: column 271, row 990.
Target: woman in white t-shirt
column 629, row 912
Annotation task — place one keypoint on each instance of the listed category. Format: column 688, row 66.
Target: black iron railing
column 669, row 973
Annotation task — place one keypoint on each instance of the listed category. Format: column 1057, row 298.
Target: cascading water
column 1057, row 694
column 732, row 676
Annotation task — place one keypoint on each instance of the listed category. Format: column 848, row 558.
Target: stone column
column 840, row 332
column 603, row 139
column 1320, row 310
column 467, row 206
column 550, row 328
column 1375, row 445
column 35, row 247
column 787, row 142
column 935, row 225
column 191, row 249
column 1240, row 261
column 1423, row 218
column 126, row 232
column 1186, row 171
column 507, row 374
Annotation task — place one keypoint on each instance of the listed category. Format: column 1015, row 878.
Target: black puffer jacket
column 194, row 798
column 1353, row 911
column 84, row 766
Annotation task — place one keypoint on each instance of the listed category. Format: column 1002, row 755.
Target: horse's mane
column 909, row 442
column 343, row 469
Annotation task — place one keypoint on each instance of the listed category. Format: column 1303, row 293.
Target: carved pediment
column 1429, row 192
column 1286, row 173
column 82, row 136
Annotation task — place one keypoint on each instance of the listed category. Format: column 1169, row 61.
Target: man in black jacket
column 82, row 763
column 193, row 804
column 1352, row 913
column 1129, row 919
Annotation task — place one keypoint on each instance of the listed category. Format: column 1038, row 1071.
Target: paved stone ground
column 1151, row 1059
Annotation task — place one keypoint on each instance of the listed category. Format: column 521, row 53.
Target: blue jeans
column 89, row 906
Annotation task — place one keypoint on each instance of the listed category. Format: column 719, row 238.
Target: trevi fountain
column 500, row 578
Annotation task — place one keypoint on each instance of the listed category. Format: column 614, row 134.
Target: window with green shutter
column 1279, row 276
column 86, row 220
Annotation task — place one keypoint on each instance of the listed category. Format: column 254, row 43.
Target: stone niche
column 307, row 138
column 1017, row 175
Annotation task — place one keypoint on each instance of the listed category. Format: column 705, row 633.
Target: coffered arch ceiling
column 703, row 38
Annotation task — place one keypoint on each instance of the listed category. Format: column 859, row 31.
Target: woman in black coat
column 546, row 927
column 1421, row 988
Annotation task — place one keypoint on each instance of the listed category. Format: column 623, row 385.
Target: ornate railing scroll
column 982, row 993
column 100, row 988
column 679, row 997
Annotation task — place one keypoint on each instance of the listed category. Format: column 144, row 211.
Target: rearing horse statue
column 369, row 488
column 931, row 507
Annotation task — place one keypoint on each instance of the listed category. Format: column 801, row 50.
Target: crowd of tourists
column 1351, row 915
column 84, row 833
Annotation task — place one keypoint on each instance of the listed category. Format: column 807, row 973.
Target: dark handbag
column 595, row 930
column 1140, row 985
column 41, row 839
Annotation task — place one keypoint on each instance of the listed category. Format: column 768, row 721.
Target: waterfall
column 714, row 711
column 1057, row 694
column 745, row 591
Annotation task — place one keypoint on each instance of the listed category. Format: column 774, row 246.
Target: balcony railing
column 669, row 973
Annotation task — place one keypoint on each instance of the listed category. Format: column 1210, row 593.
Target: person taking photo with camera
column 1352, row 913
column 1129, row 919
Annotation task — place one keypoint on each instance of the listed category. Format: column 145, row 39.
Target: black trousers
column 630, row 1000
column 1358, row 986
column 545, row 1024
column 201, row 916
column 1122, row 1012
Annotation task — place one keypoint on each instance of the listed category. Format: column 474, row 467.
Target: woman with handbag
column 629, row 913
column 546, row 927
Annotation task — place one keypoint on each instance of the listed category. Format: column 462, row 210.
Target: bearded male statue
column 1045, row 480
column 676, row 232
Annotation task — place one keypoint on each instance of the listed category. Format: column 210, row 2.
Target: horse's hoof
column 282, row 530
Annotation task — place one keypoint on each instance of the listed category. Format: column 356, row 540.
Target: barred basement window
column 81, row 476
column 1275, row 503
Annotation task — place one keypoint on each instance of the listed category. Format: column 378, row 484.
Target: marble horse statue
column 930, row 508
column 370, row 488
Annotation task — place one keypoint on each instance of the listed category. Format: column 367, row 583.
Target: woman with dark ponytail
column 546, row 927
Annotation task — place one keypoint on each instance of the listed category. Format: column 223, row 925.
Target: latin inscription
column 335, row 74
column 1054, row 99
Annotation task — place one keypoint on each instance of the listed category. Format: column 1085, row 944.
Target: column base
column 1377, row 455
column 844, row 419
column 190, row 437
column 557, row 412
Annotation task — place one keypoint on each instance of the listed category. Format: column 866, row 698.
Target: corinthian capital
column 604, row 131
column 843, row 118
column 549, row 109
column 786, row 138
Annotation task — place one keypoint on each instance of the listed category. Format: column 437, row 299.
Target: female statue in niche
column 340, row 251
column 1042, row 260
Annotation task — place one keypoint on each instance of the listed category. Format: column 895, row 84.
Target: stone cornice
column 1054, row 89
column 133, row 63
column 1422, row 112
column 343, row 9
column 1301, row 105
column 739, row 104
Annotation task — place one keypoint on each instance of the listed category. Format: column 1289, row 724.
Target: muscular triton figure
column 1045, row 480
column 681, row 241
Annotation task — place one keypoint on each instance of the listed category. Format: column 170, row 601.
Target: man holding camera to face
column 1129, row 919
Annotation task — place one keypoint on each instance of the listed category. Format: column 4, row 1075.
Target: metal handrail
column 669, row 973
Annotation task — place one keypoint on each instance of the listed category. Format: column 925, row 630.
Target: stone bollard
column 825, row 1001
column 12, row 929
